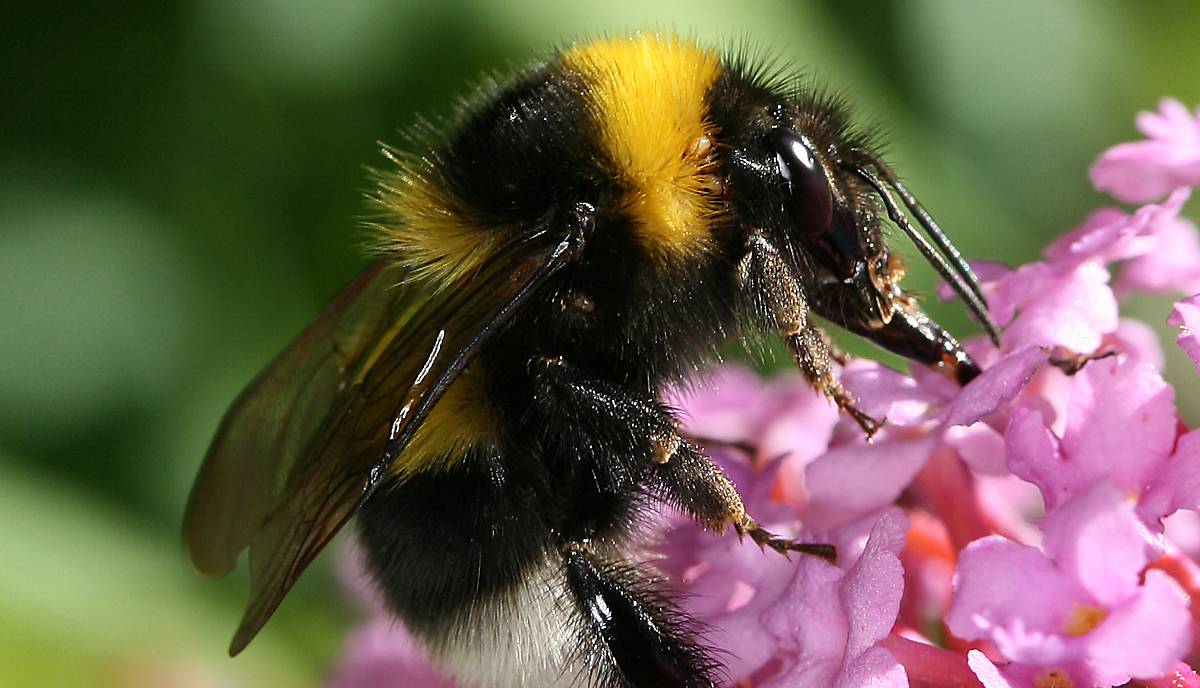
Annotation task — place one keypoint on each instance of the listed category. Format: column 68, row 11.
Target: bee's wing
column 309, row 440
column 279, row 413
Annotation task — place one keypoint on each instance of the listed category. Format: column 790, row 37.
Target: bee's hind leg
column 631, row 635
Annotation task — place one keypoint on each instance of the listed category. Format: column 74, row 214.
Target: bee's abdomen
column 466, row 558
column 479, row 563
column 438, row 541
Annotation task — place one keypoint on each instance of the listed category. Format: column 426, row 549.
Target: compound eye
column 811, row 200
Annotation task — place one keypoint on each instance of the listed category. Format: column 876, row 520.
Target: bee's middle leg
column 674, row 469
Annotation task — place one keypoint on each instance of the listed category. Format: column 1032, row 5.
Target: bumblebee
column 483, row 397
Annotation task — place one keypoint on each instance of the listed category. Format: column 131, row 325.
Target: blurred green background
column 178, row 188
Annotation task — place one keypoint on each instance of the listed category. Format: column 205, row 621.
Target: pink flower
column 1161, row 249
column 1170, row 264
column 1177, row 485
column 1142, row 171
column 381, row 654
column 859, row 478
column 1180, row 676
column 1186, row 316
column 799, row 622
column 1082, row 606
column 1066, row 300
column 1043, row 304
column 782, row 415
column 781, row 622
column 1138, row 341
column 1119, row 423
column 1110, row 234
column 828, row 622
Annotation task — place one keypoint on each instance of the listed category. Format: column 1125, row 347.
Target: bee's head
column 820, row 196
column 830, row 222
column 792, row 179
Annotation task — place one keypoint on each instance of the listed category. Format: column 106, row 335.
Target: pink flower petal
column 870, row 591
column 381, row 654
column 1177, row 486
column 856, row 479
column 1110, row 234
column 1182, row 532
column 1103, row 235
column 1002, row 585
column 1178, row 676
column 1097, row 540
column 810, row 622
column 1171, row 264
column 729, row 585
column 1048, row 393
column 830, row 620
column 1120, row 423
column 1016, row 288
column 885, row 393
column 1172, row 122
column 859, row 479
column 1073, row 309
column 1010, row 504
column 801, row 424
column 1144, row 638
column 1034, row 455
column 1144, row 170
column 851, row 537
column 1186, row 316
column 875, row 668
column 1082, row 607
column 980, row 447
column 1021, row 676
column 998, row 385
column 936, row 384
column 730, row 405
column 985, row 671
column 780, row 416
column 1141, row 172
column 1138, row 341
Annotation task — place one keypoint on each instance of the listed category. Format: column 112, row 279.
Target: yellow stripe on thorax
column 429, row 230
column 648, row 95
column 463, row 418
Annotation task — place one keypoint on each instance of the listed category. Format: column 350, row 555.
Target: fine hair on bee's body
column 486, row 400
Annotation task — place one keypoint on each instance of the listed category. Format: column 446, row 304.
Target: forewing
column 280, row 413
column 381, row 402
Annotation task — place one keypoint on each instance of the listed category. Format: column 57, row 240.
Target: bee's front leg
column 779, row 302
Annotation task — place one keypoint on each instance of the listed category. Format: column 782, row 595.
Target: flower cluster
column 1033, row 529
